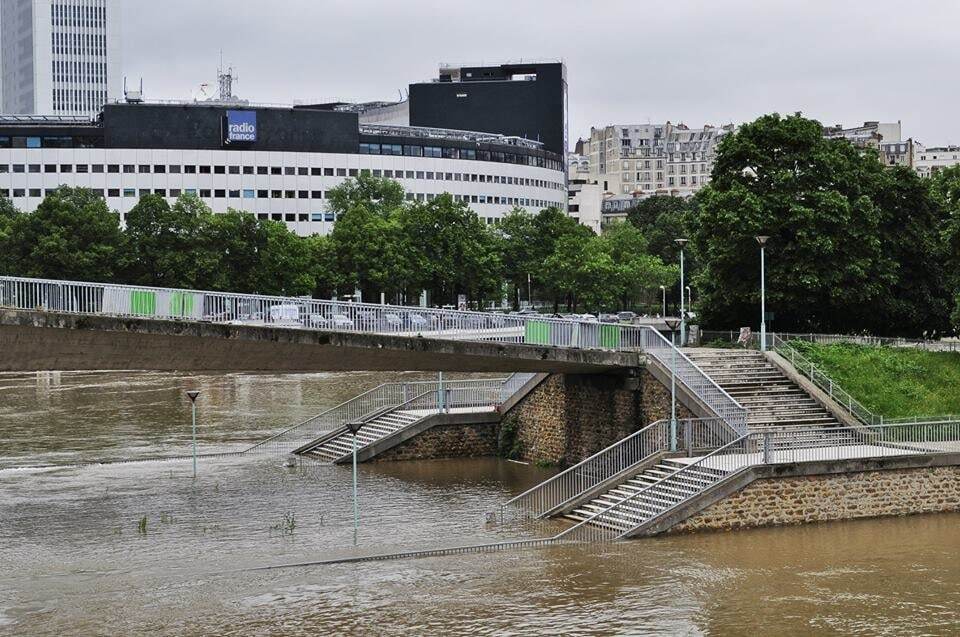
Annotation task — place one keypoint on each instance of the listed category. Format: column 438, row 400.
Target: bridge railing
column 305, row 313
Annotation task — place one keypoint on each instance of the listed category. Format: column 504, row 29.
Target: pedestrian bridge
column 70, row 325
column 67, row 325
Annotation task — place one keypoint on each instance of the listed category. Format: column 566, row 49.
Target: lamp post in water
column 683, row 325
column 762, row 240
column 193, row 393
column 354, row 428
column 663, row 291
column 672, row 324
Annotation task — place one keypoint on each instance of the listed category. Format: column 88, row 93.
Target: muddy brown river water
column 143, row 549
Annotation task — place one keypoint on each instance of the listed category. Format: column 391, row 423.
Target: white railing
column 884, row 341
column 807, row 368
column 773, row 447
column 618, row 459
column 694, row 379
column 484, row 392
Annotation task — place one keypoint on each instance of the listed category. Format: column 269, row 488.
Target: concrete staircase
column 771, row 399
column 340, row 443
column 660, row 488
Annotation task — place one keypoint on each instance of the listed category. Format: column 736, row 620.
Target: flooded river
column 143, row 549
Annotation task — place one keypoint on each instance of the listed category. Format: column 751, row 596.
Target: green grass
column 892, row 382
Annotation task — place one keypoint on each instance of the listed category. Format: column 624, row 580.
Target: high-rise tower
column 59, row 57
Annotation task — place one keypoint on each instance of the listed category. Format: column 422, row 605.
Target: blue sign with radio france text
column 241, row 127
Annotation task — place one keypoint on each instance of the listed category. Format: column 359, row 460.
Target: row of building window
column 204, row 193
column 365, row 148
column 79, row 43
column 672, row 181
column 277, row 170
column 457, row 153
column 71, row 15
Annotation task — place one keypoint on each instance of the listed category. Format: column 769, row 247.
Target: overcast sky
column 633, row 61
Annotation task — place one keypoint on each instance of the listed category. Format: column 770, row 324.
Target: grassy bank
column 892, row 382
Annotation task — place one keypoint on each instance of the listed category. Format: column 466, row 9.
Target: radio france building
column 274, row 162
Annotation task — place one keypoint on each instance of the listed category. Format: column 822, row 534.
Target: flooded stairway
column 771, row 399
column 650, row 493
column 339, row 444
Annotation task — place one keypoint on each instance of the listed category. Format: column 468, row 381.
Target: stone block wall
column 446, row 441
column 571, row 416
column 842, row 496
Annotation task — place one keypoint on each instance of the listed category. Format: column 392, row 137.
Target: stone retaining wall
column 569, row 417
column 842, row 496
column 446, row 441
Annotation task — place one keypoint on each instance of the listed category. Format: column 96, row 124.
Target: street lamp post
column 354, row 428
column 672, row 324
column 529, row 292
column 193, row 393
column 683, row 324
column 663, row 291
column 762, row 240
column 689, row 300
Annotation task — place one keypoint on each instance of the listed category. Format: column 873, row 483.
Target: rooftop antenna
column 225, row 78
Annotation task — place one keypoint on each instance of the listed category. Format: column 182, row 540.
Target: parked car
column 417, row 321
column 317, row 320
column 392, row 321
column 608, row 318
column 626, row 317
column 341, row 321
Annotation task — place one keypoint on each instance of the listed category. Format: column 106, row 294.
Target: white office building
column 59, row 57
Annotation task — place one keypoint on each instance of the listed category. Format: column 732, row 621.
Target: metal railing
column 305, row 313
column 484, row 392
column 876, row 341
column 807, row 368
column 773, row 447
column 618, row 459
column 694, row 379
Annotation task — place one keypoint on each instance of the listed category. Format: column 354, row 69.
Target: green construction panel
column 537, row 333
column 610, row 336
column 144, row 303
column 181, row 304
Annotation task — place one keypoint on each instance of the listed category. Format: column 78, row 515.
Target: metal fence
column 306, row 313
column 618, row 459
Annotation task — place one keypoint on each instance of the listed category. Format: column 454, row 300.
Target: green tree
column 638, row 274
column 162, row 241
column 8, row 214
column 323, row 261
column 452, row 252
column 71, row 235
column 520, row 249
column 378, row 195
column 830, row 212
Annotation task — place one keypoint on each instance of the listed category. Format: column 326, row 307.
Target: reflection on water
column 74, row 558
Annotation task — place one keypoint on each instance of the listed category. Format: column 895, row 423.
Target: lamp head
column 681, row 242
column 672, row 323
column 193, row 393
column 663, row 287
column 762, row 239
column 353, row 426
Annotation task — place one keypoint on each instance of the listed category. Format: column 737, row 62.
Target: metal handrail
column 702, row 385
column 633, row 496
column 839, row 395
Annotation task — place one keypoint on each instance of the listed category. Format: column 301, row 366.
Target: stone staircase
column 661, row 490
column 771, row 399
column 339, row 444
